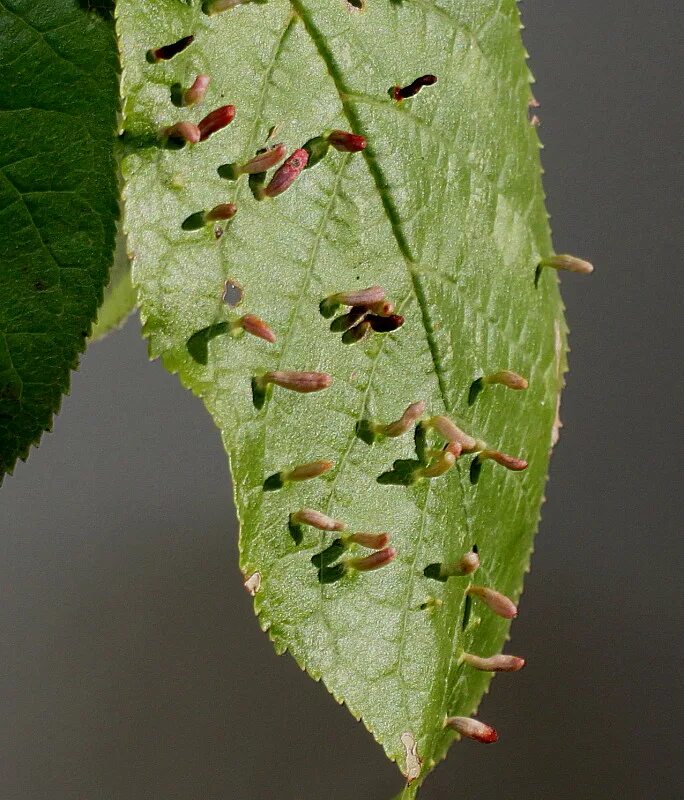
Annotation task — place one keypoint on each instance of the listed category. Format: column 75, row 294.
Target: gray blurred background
column 131, row 666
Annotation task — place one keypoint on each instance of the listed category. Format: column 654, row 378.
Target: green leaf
column 58, row 203
column 445, row 210
column 119, row 295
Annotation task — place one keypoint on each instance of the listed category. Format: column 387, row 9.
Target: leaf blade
column 453, row 239
column 58, row 204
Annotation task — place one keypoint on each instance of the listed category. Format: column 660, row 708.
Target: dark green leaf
column 58, row 202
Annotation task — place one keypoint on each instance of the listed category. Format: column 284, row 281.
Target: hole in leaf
column 232, row 293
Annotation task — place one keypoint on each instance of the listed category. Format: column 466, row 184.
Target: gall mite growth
column 262, row 162
column 472, row 729
column 216, row 121
column 255, row 326
column 309, row 516
column 348, row 320
column 357, row 333
column 369, row 431
column 499, row 663
column 387, row 324
column 170, row 50
column 400, row 93
column 430, row 603
column 510, row 462
column 195, row 94
column 360, row 297
column 565, row 262
column 198, row 220
column 304, row 472
column 374, row 561
column 451, row 432
column 373, row 541
column 346, row 142
column 329, row 572
column 468, row 564
column 182, row 133
column 369, row 312
column 343, row 141
column 287, row 174
column 497, row 602
column 438, row 467
column 302, row 382
column 504, row 377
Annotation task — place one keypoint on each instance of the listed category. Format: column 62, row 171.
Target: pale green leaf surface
column 444, row 209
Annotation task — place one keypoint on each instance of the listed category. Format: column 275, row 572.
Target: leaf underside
column 58, row 202
column 444, row 209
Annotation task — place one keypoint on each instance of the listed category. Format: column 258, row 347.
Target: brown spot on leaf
column 413, row 761
column 253, row 583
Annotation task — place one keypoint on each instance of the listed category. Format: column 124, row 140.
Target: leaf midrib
column 411, row 264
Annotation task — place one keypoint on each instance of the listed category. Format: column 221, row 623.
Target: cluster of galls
column 497, row 603
column 328, row 562
column 433, row 458
column 185, row 132
column 369, row 311
column 287, row 173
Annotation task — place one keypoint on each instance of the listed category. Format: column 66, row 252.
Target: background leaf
column 58, row 202
column 444, row 209
column 119, row 295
